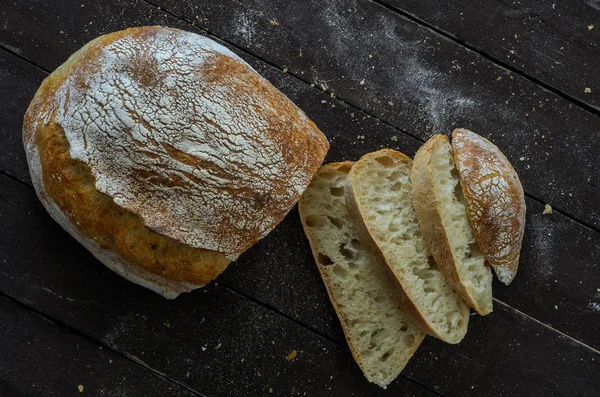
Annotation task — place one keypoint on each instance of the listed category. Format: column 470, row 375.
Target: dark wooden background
column 371, row 74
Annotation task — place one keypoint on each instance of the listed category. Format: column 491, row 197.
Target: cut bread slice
column 442, row 214
column 381, row 336
column 378, row 192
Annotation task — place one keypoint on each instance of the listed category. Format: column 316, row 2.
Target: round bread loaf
column 166, row 155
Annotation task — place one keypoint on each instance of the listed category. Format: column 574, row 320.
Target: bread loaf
column 440, row 208
column 495, row 201
column 381, row 336
column 379, row 193
column 166, row 155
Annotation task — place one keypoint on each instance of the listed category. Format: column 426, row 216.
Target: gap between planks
column 547, row 326
column 498, row 63
column 412, row 18
column 103, row 345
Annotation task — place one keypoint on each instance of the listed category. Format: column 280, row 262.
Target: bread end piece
column 495, row 201
column 440, row 208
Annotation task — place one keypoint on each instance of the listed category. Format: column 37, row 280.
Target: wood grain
column 40, row 358
column 552, row 41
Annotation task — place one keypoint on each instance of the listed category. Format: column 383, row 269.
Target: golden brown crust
column 495, row 201
column 71, row 186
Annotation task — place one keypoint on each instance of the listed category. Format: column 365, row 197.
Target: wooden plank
column 223, row 341
column 40, row 358
column 421, row 83
column 214, row 341
column 554, row 42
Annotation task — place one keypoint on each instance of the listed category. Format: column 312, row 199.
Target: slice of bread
column 378, row 191
column 381, row 336
column 442, row 214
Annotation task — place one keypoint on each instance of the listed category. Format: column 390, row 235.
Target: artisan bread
column 166, row 155
column 379, row 193
column 381, row 336
column 442, row 215
column 494, row 198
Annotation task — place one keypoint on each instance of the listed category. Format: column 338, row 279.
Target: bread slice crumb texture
column 380, row 334
column 442, row 214
column 379, row 191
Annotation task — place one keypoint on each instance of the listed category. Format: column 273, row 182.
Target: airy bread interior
column 469, row 261
column 381, row 336
column 382, row 194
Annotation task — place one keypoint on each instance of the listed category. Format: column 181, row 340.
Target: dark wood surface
column 542, row 338
column 554, row 42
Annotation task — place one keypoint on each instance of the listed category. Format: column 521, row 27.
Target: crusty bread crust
column 141, row 190
column 428, row 209
column 408, row 304
column 495, row 200
column 344, row 167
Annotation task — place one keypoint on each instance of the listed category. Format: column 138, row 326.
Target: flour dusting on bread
column 179, row 130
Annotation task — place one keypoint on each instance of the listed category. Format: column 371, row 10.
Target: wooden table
column 371, row 74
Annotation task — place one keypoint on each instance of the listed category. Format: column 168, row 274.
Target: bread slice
column 381, row 336
column 495, row 201
column 440, row 208
column 378, row 191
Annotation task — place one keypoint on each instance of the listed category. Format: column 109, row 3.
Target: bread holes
column 335, row 222
column 386, row 355
column 341, row 272
column 353, row 266
column 315, row 221
column 395, row 177
column 328, row 176
column 324, row 259
column 346, row 253
column 337, row 191
column 431, row 263
column 386, row 162
column 397, row 186
column 408, row 339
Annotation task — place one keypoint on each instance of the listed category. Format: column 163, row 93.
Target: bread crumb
column 187, row 375
column 522, row 158
column 203, row 348
column 273, row 22
column 547, row 209
column 516, row 36
column 80, row 388
column 362, row 82
column 394, row 138
column 110, row 361
column 370, row 55
column 258, row 373
column 292, row 355
column 166, row 324
column 270, row 390
column 285, row 70
column 499, row 78
column 555, row 307
column 587, row 90
column 512, row 52
column 590, row 27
